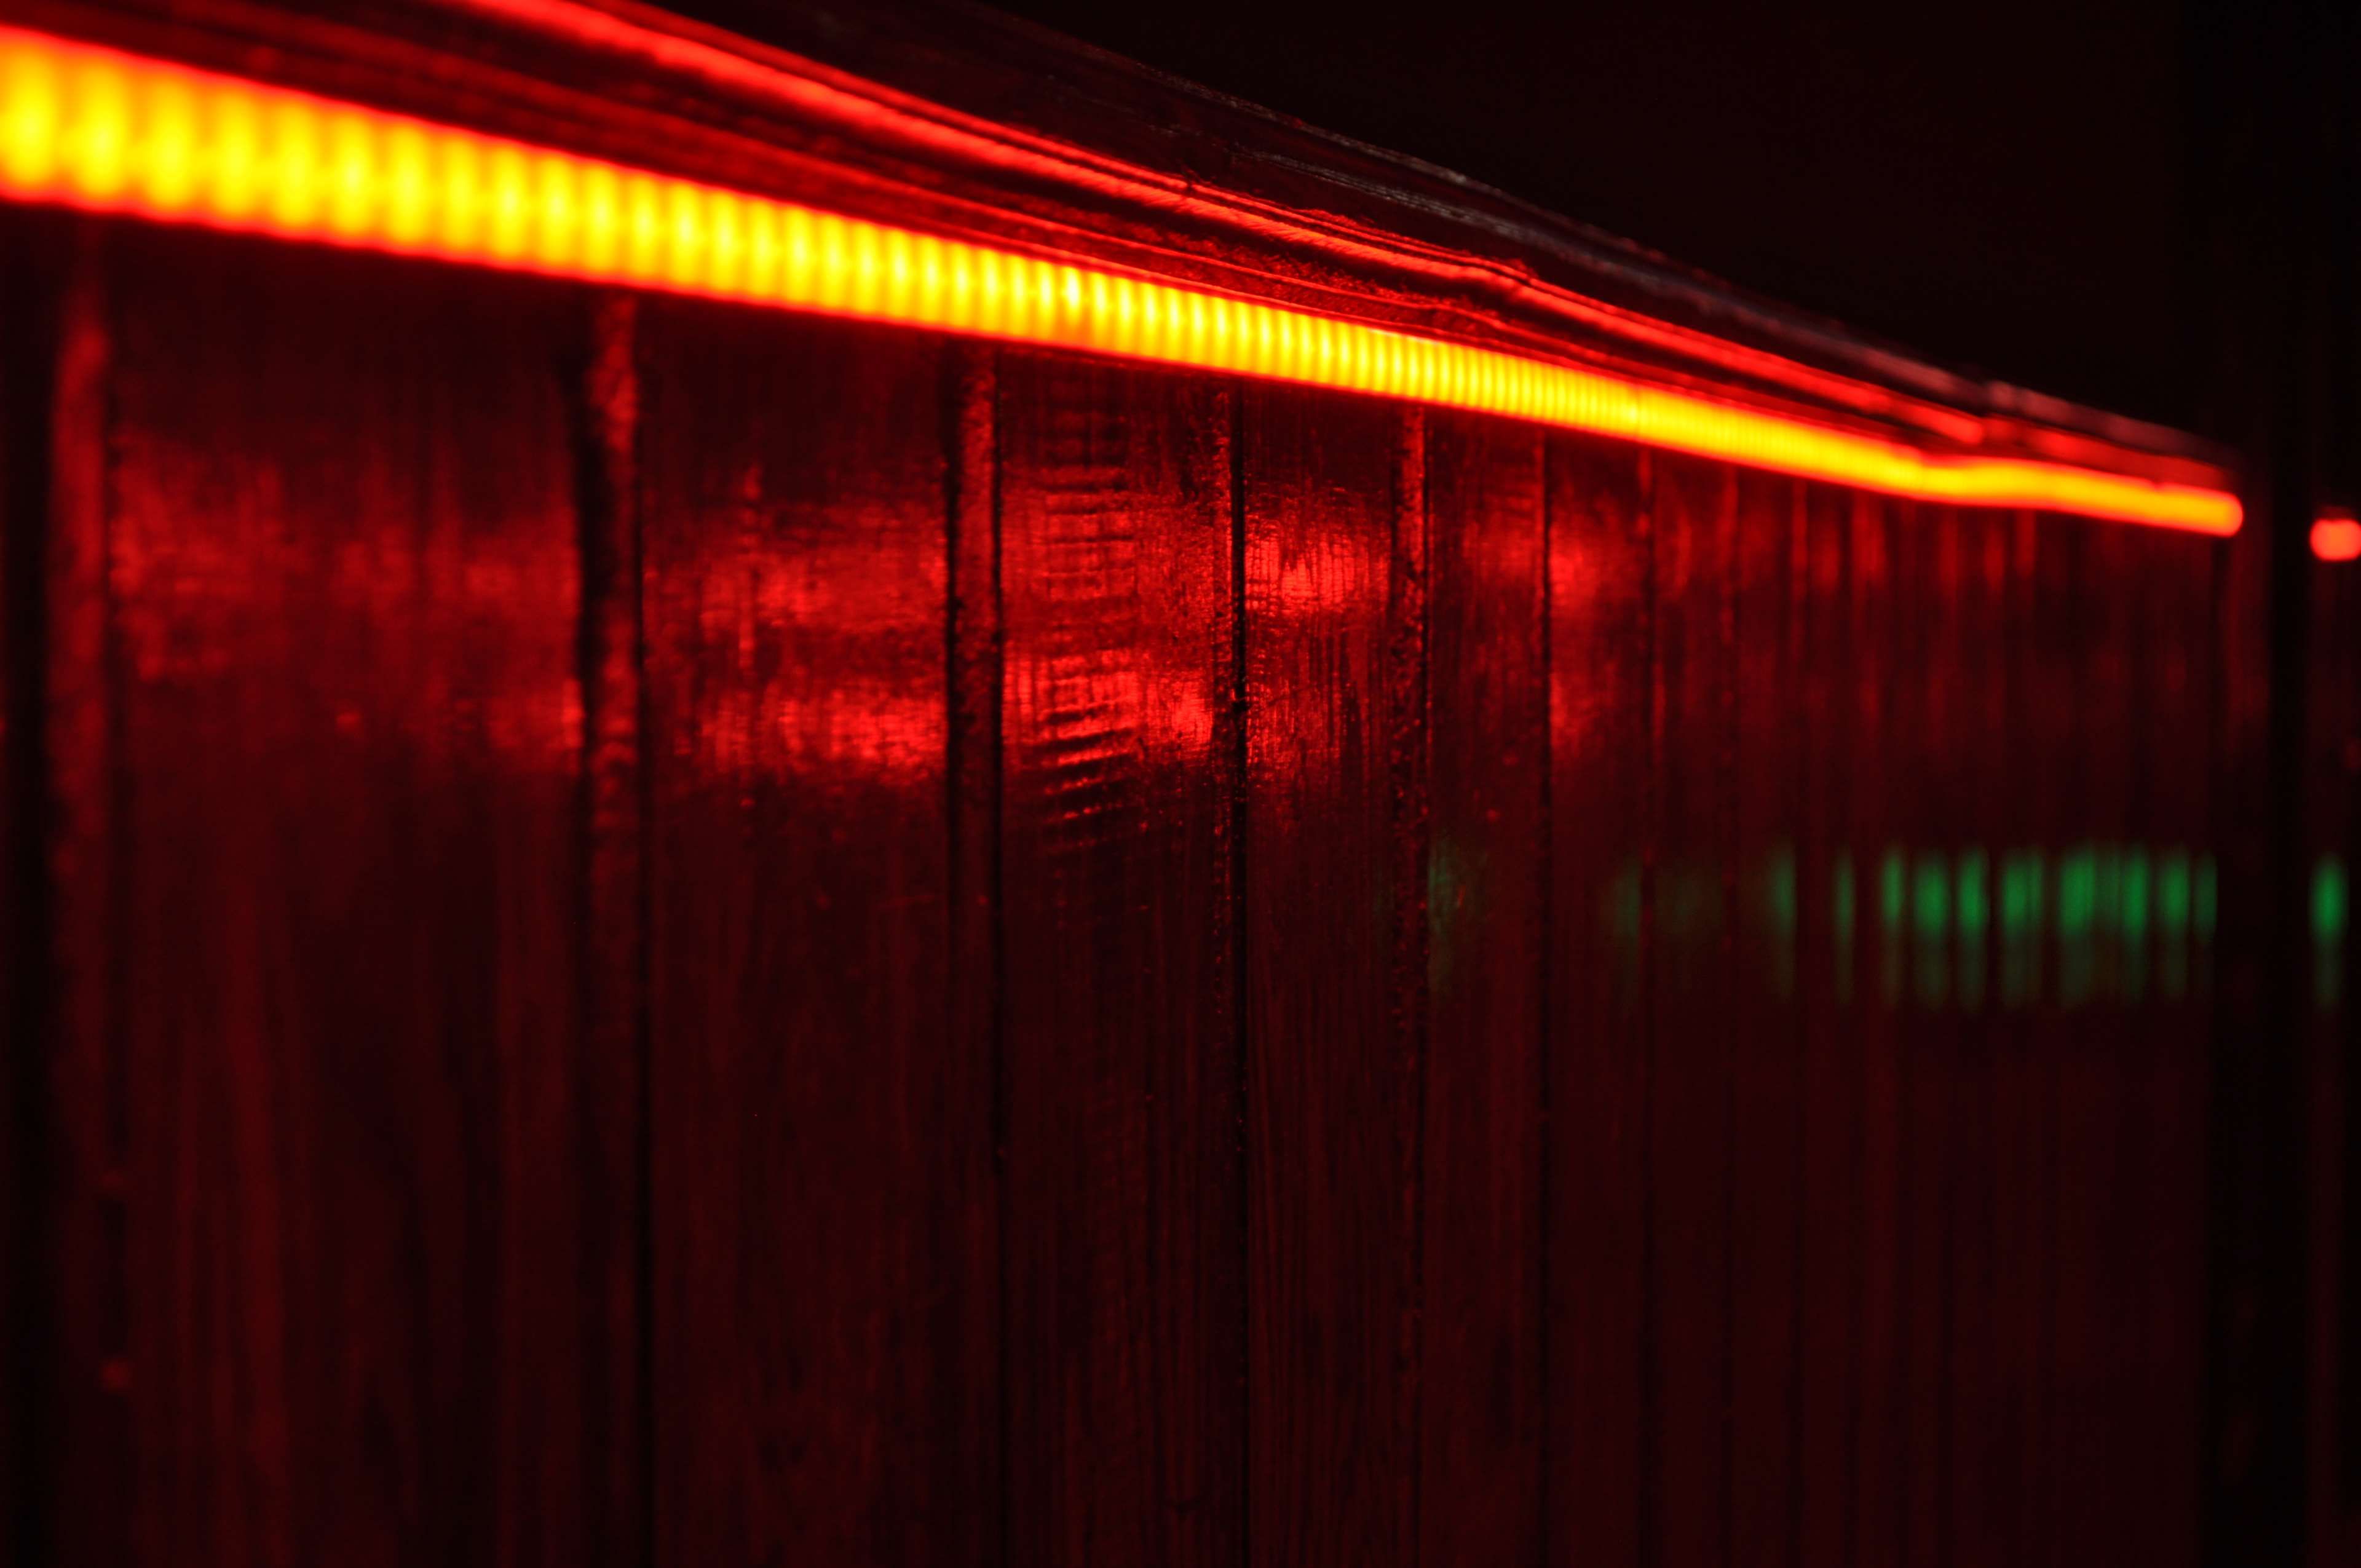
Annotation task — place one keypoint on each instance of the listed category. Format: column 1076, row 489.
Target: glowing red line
column 103, row 131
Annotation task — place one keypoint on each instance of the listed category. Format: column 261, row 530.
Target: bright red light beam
column 108, row 132
column 2336, row 536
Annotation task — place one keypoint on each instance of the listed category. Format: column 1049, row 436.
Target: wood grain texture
column 821, row 1168
column 1829, row 1233
column 613, row 1062
column 1924, row 671
column 967, row 1447
column 1329, row 1262
column 1480, row 1461
column 2176, row 644
column 2091, row 1117
column 87, row 970
column 64, row 1285
column 2182, row 663
column 2325, row 835
column 1691, row 1109
column 2021, row 1139
column 343, row 566
column 1980, row 1383
column 1126, row 1244
column 1765, row 1037
column 2140, row 1056
column 2053, row 732
column 1601, row 646
column 1411, row 972
column 637, row 934
column 25, row 1317
column 1877, row 977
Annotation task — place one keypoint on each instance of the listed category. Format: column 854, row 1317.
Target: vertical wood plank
column 86, row 853
column 2320, row 967
column 1765, row 1084
column 2091, row 1117
column 1410, row 761
column 1328, row 1260
column 822, row 1127
column 344, row 563
column 1877, row 978
column 1126, row 1248
column 613, row 1061
column 1690, row 1109
column 65, row 1299
column 2184, row 664
column 1481, row 1369
column 2139, row 1198
column 1601, row 636
column 1980, row 744
column 27, row 358
column 2177, row 671
column 1827, row 899
column 971, row 1461
column 1927, row 681
column 2055, row 745
column 2021, row 1128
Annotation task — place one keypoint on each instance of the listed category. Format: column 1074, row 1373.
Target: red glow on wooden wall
column 105, row 131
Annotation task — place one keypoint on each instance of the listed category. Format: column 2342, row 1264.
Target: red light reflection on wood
column 103, row 131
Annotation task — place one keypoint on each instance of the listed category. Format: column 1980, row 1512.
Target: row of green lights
column 2090, row 924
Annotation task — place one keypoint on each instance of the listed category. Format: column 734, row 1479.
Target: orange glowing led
column 107, row 132
column 2336, row 536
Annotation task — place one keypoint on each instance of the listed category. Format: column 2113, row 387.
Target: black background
column 2056, row 194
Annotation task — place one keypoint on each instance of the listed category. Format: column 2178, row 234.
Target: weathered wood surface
column 649, row 935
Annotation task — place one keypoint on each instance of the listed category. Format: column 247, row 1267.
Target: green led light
column 1841, row 921
column 2172, row 891
column 1891, row 876
column 2130, row 919
column 2203, row 892
column 2172, row 902
column 1973, row 912
column 2078, row 893
column 1974, row 905
column 2329, row 901
column 2020, row 928
column 2016, row 898
column 1779, row 908
column 1779, row 890
column 1931, row 897
column 2078, row 912
column 2137, row 881
column 2107, row 925
column 1930, row 904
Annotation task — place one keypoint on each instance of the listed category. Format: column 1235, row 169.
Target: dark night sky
column 2004, row 187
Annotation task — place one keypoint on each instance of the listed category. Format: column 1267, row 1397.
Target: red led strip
column 102, row 131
